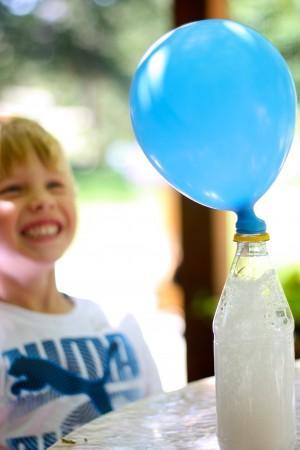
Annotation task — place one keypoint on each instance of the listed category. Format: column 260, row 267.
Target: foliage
column 203, row 306
column 290, row 279
column 278, row 20
column 85, row 51
column 103, row 184
column 82, row 51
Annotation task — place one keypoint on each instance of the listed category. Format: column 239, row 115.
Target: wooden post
column 190, row 10
column 203, row 232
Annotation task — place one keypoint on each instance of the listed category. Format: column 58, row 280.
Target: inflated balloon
column 213, row 106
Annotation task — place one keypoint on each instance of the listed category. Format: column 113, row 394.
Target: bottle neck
column 252, row 249
column 251, row 260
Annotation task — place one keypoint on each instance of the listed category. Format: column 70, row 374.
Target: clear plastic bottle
column 254, row 354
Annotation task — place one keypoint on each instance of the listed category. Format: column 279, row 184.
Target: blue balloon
column 213, row 106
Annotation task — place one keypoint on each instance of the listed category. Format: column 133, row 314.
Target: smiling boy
column 61, row 364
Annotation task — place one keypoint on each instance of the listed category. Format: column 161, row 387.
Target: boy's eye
column 11, row 189
column 55, row 185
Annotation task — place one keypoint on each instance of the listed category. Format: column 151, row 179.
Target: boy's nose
column 41, row 201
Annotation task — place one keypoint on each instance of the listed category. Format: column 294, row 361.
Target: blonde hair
column 20, row 137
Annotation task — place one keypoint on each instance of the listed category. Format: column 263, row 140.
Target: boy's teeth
column 46, row 230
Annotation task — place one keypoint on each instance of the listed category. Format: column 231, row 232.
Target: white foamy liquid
column 254, row 368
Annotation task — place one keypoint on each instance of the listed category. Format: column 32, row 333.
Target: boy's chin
column 46, row 254
column 42, row 258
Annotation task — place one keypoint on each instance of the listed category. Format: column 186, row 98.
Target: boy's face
column 37, row 212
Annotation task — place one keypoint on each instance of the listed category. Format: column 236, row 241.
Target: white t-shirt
column 60, row 371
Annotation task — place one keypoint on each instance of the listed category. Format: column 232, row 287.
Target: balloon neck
column 248, row 223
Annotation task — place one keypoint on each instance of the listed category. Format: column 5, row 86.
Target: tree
column 278, row 20
column 83, row 52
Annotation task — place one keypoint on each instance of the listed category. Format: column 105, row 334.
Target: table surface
column 179, row 420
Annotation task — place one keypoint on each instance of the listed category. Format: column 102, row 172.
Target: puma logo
column 35, row 374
